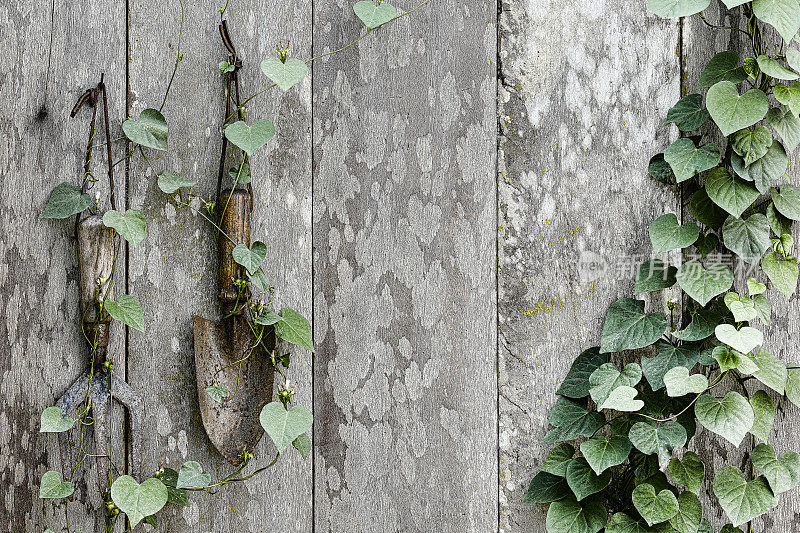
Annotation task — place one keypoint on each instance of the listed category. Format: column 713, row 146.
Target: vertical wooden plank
column 700, row 44
column 174, row 271
column 54, row 51
column 582, row 105
column 404, row 258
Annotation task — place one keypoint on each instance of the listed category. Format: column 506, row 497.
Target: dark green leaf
column 149, row 131
column 627, row 327
column 706, row 211
column 660, row 170
column 688, row 114
column 546, row 488
column 731, row 193
column 687, row 160
column 583, row 481
column 576, row 384
column 65, row 201
column 723, row 67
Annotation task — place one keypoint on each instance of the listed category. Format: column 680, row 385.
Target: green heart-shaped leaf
column 132, row 226
column 729, row 359
column 754, row 287
column 730, row 417
column 771, row 371
column 660, row 170
column 722, row 67
column 690, row 512
column 764, row 415
column 787, row 201
column 252, row 257
column 622, row 523
column 669, row 356
column 557, row 460
column 627, row 327
column 793, row 58
column 783, row 15
column 285, row 74
column 688, row 471
column 65, row 201
column 742, row 340
column 787, row 125
column 688, row 114
column 667, row 234
column 732, row 112
column 283, row 426
column 572, row 419
column 53, row 487
column 583, row 481
column 783, row 273
column 774, row 69
column 747, row 237
column 170, row 183
column 701, row 327
column 788, row 96
column 250, row 138
column 218, row 392
column 374, row 15
column 706, row 211
column 150, row 130
column 576, row 384
column 730, row 4
column 654, row 508
column 743, row 312
column 780, row 224
column 782, row 473
column 570, row 516
column 652, row 439
column 546, row 488
column 751, row 144
column 687, row 160
column 177, row 496
column 655, row 275
column 677, row 8
column 762, row 172
column 704, row 284
column 706, row 244
column 303, row 445
column 138, row 501
column 293, row 327
column 607, row 378
column 192, row 475
column 127, row 310
column 623, row 399
column 741, row 500
column 731, row 193
column 602, row 453
column 680, row 383
column 54, row 421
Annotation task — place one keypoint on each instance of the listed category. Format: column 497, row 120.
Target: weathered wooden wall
column 438, row 199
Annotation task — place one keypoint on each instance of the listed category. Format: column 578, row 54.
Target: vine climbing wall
column 455, row 201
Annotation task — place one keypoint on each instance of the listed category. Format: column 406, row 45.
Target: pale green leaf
column 667, row 234
column 781, row 272
column 731, row 193
column 607, row 378
column 787, row 201
column 730, row 417
column 653, row 439
column 602, row 453
column 303, row 445
column 774, row 69
column 782, row 473
column 250, row 138
column 687, row 160
column 751, row 144
column 704, row 284
column 252, row 257
column 374, row 15
column 747, row 237
column 771, row 371
column 741, row 500
column 783, row 15
column 54, row 421
column 690, row 512
column 732, row 112
column 170, row 183
column 282, row 425
column 285, row 74
column 127, row 310
column 764, row 415
column 294, row 328
column 191, row 475
column 654, row 508
column 150, row 130
column 53, row 487
column 138, row 501
column 132, row 226
column 680, row 383
column 742, row 340
column 787, row 126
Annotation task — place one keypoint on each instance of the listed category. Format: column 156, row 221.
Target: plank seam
column 313, row 296
column 498, row 129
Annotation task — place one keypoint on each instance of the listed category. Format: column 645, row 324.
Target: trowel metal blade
column 232, row 425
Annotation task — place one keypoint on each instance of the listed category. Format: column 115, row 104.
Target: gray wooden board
column 581, row 111
column 700, row 44
column 53, row 50
column 404, row 262
column 174, row 272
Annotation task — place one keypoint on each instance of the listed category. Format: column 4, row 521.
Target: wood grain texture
column 174, row 272
column 700, row 44
column 404, row 262
column 581, row 109
column 54, row 51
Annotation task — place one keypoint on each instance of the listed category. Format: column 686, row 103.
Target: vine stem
column 178, row 59
column 675, row 416
column 228, row 479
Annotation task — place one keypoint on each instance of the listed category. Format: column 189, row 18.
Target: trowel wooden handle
column 236, row 224
column 96, row 264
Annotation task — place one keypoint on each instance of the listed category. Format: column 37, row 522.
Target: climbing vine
column 620, row 462
column 284, row 422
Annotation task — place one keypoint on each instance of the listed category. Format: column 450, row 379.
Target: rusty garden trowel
column 221, row 349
